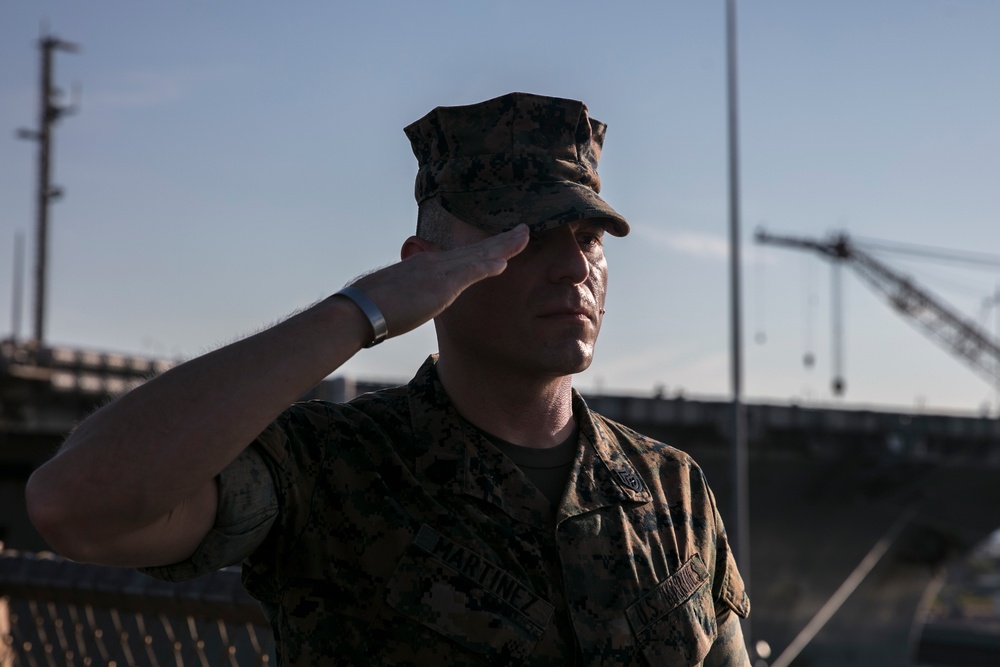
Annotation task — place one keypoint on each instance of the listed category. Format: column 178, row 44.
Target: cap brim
column 538, row 205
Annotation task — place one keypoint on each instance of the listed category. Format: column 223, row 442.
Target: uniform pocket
column 466, row 598
column 675, row 622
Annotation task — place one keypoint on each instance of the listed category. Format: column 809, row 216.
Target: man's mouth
column 570, row 312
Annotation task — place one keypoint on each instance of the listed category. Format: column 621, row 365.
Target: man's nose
column 568, row 262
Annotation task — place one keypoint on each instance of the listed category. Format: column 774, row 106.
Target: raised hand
column 418, row 288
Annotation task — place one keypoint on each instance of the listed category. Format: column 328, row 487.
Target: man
column 481, row 514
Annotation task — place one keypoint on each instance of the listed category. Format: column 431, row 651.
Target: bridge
column 864, row 507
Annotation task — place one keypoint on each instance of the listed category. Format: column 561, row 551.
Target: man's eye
column 589, row 240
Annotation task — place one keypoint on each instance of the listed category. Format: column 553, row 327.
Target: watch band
column 371, row 311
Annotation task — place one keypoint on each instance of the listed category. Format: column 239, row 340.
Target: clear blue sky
column 232, row 162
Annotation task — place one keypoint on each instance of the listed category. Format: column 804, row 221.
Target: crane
column 957, row 334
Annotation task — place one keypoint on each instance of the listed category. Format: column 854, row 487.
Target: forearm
column 136, row 478
column 144, row 461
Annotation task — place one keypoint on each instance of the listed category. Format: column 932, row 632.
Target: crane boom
column 957, row 334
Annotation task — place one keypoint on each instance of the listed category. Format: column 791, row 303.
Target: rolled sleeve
column 733, row 591
column 728, row 589
column 248, row 506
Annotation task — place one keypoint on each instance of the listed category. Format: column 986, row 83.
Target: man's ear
column 415, row 244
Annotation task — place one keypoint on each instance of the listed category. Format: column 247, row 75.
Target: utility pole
column 15, row 320
column 740, row 530
column 996, row 364
column 50, row 111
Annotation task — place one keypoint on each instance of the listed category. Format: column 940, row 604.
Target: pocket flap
column 668, row 595
column 674, row 623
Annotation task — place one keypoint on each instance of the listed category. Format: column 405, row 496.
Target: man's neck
column 532, row 412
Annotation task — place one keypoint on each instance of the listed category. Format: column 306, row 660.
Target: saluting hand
column 428, row 280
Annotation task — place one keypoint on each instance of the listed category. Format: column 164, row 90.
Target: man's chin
column 569, row 362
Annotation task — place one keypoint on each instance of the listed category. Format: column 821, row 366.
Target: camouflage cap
column 513, row 159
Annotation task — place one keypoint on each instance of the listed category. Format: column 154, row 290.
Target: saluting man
column 481, row 514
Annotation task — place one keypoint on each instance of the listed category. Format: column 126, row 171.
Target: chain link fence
column 56, row 612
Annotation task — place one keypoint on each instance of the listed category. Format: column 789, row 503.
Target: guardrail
column 58, row 612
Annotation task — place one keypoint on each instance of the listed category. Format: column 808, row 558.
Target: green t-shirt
column 548, row 468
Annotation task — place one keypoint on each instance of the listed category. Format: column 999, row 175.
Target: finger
column 505, row 243
column 513, row 241
column 471, row 263
column 418, row 288
column 491, row 254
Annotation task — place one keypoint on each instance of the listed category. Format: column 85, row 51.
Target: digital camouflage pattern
column 396, row 534
column 513, row 159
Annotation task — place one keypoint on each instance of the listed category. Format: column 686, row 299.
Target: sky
column 231, row 163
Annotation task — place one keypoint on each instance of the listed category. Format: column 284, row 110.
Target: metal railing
column 57, row 612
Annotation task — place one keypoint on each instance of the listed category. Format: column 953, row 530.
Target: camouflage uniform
column 389, row 531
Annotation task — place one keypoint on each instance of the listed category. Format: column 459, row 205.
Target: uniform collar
column 451, row 456
column 603, row 474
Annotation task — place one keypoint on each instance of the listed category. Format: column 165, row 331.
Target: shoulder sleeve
column 247, row 508
column 689, row 486
column 731, row 602
column 263, row 495
column 728, row 589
